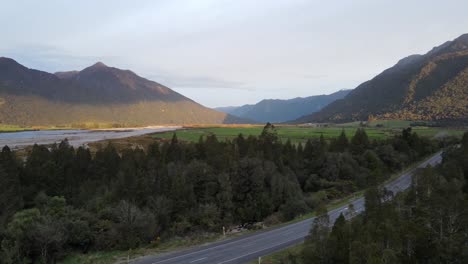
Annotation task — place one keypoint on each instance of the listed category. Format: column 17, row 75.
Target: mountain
column 97, row 94
column 236, row 110
column 226, row 109
column 275, row 110
column 433, row 86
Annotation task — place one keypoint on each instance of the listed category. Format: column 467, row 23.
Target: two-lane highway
column 249, row 247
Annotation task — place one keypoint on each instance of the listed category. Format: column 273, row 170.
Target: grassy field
column 12, row 128
column 90, row 125
column 281, row 256
column 384, row 123
column 302, row 133
column 294, row 133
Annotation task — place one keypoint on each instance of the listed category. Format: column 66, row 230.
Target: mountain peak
column 10, row 65
column 98, row 94
column 8, row 60
column 99, row 65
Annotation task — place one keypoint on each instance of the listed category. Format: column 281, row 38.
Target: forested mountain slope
column 277, row 110
column 433, row 86
column 99, row 94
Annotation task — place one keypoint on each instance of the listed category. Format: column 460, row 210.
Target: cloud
column 314, row 76
column 180, row 81
column 51, row 58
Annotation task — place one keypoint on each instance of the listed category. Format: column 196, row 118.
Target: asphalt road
column 249, row 247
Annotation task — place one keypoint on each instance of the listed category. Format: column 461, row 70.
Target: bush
column 293, row 208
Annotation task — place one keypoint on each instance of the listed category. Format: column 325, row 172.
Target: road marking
column 258, row 240
column 229, row 260
column 197, row 260
column 256, row 237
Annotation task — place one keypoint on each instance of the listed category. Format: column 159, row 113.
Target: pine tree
column 341, row 143
column 339, row 241
column 316, row 248
column 360, row 141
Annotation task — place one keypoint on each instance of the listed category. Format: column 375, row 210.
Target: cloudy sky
column 223, row 52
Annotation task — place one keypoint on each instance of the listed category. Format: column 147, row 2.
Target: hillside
column 276, row 110
column 433, row 86
column 97, row 94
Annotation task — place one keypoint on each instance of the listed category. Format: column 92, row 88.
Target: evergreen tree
column 316, row 247
column 269, row 139
column 339, row 241
column 359, row 142
column 341, row 143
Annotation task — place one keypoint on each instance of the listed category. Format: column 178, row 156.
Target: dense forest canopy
column 60, row 199
column 426, row 224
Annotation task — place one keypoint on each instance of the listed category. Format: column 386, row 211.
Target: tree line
column 62, row 199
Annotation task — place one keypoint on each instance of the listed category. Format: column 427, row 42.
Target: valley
column 233, row 132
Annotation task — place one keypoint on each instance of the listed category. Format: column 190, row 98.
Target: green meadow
column 12, row 128
column 301, row 133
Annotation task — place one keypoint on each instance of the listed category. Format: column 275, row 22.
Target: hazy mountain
column 433, row 86
column 276, row 110
column 226, row 109
column 97, row 94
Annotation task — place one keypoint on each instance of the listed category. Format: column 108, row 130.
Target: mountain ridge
column 432, row 86
column 282, row 110
column 99, row 94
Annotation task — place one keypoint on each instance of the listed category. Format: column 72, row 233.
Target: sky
column 223, row 52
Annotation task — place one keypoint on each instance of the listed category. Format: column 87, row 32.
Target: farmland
column 301, row 133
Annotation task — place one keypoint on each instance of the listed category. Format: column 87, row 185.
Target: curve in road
column 249, row 247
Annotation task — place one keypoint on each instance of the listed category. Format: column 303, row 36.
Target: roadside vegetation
column 426, row 224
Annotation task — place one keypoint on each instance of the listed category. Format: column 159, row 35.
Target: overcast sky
column 222, row 52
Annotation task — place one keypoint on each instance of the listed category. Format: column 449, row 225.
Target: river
column 16, row 140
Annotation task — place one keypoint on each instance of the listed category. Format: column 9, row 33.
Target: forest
column 426, row 224
column 60, row 199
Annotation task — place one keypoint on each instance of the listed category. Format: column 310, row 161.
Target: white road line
column 257, row 241
column 289, row 232
column 233, row 242
column 197, row 260
column 260, row 250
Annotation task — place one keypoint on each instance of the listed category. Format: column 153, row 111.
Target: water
column 76, row 138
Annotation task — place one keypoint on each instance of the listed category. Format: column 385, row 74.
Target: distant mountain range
column 97, row 94
column 433, row 86
column 277, row 111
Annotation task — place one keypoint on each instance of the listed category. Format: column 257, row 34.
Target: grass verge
column 282, row 256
